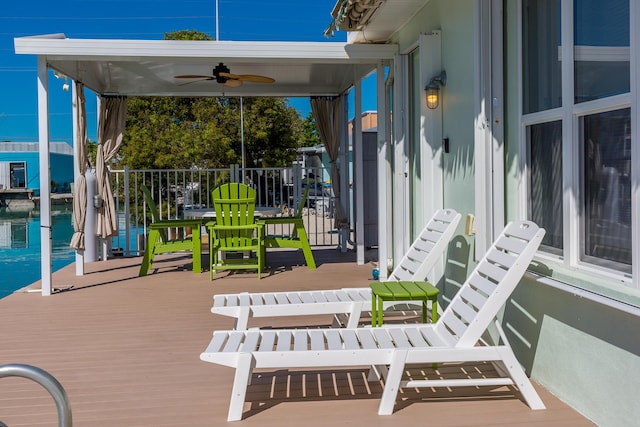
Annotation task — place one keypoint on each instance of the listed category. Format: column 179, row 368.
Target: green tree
column 205, row 132
column 310, row 136
column 187, row 35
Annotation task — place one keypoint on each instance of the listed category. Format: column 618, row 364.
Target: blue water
column 20, row 246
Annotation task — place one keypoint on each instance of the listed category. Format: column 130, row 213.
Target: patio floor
column 126, row 350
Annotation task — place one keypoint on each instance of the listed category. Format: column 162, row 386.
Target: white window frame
column 570, row 114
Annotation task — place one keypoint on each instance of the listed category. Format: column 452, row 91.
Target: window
column 606, row 171
column 579, row 145
column 18, row 175
column 541, row 61
column 601, row 48
column 545, row 181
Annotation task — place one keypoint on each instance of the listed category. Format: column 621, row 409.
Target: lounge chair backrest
column 303, row 202
column 233, row 198
column 155, row 213
column 234, row 204
column 433, row 238
column 489, row 285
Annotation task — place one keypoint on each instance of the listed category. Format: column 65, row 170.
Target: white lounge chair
column 346, row 302
column 456, row 337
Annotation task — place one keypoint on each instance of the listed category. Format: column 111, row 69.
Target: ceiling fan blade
column 255, row 79
column 233, row 83
column 194, row 76
column 194, row 81
column 247, row 77
column 228, row 75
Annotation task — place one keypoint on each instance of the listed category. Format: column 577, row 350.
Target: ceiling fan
column 222, row 75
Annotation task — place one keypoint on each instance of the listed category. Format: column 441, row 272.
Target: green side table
column 403, row 291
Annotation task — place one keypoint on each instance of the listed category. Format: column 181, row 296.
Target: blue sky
column 276, row 20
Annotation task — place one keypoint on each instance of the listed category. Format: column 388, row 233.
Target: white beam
column 384, row 167
column 358, row 171
column 45, row 179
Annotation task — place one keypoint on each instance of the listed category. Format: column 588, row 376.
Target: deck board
column 127, row 349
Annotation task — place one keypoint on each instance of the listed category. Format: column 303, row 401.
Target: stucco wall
column 585, row 352
column 456, row 22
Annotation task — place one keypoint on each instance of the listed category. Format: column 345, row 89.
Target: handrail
column 47, row 381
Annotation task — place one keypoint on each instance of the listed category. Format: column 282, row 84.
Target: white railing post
column 127, row 214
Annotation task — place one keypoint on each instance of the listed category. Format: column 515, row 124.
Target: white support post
column 127, row 213
column 45, row 178
column 384, row 172
column 401, row 188
column 358, row 171
column 344, row 164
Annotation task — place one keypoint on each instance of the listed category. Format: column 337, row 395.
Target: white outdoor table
column 259, row 212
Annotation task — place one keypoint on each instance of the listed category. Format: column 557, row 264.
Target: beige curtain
column 327, row 113
column 111, row 122
column 80, row 192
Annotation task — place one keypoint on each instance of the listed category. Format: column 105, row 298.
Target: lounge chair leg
column 376, row 373
column 392, row 382
column 511, row 364
column 197, row 250
column 354, row 316
column 306, row 247
column 147, row 259
column 246, row 363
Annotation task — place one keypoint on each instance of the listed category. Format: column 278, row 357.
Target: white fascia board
column 329, row 52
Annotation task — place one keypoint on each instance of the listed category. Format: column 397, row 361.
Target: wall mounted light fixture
column 433, row 89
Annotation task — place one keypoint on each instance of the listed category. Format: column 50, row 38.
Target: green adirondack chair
column 235, row 234
column 158, row 241
column 298, row 237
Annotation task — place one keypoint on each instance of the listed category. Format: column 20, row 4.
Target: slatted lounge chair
column 158, row 241
column 297, row 238
column 235, row 230
column 346, row 302
column 456, row 337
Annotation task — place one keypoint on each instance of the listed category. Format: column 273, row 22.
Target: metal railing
column 178, row 190
column 47, row 381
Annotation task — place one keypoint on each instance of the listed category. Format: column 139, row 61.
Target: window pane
column 18, row 175
column 606, row 140
column 601, row 51
column 541, row 49
column 545, row 181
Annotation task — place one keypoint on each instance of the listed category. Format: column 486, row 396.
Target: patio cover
column 148, row 67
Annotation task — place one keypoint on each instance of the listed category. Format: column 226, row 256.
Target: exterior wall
column 456, row 21
column 578, row 345
column 31, row 161
column 584, row 351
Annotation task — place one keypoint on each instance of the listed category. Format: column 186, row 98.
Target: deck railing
column 178, row 190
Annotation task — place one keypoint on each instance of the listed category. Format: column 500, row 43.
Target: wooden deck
column 126, row 350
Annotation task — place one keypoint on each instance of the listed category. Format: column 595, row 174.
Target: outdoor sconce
column 433, row 89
